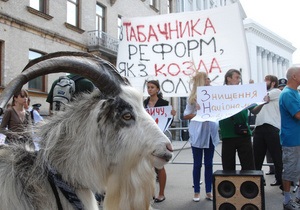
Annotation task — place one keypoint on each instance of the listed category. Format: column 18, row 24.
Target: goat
column 103, row 141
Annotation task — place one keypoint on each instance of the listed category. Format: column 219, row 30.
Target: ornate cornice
column 253, row 27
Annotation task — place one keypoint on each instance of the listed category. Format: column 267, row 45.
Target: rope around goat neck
column 68, row 191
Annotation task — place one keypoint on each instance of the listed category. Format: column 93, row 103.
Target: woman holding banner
column 204, row 137
column 155, row 99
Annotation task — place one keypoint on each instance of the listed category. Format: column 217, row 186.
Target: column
column 202, row 7
column 279, row 67
column 259, row 65
column 285, row 68
column 264, row 63
column 194, row 5
column 270, row 63
column 207, row 4
column 275, row 72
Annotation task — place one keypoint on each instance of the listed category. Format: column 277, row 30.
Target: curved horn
column 103, row 74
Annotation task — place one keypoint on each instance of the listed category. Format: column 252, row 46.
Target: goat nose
column 170, row 147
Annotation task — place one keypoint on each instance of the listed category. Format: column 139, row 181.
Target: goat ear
column 106, row 108
column 100, row 72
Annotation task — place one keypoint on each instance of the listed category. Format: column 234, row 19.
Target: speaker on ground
column 238, row 190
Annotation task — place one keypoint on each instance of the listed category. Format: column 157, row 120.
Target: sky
column 279, row 16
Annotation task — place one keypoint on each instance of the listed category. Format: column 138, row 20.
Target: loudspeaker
column 238, row 190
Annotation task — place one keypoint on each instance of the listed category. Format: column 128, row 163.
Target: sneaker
column 291, row 205
column 209, row 197
column 196, row 197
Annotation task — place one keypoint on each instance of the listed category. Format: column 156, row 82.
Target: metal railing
column 102, row 41
column 169, row 135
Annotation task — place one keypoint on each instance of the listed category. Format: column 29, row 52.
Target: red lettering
column 214, row 65
column 177, row 68
column 158, row 70
column 141, row 36
column 132, row 35
column 201, row 63
column 152, row 34
column 151, row 111
column 208, row 24
column 163, row 32
column 193, row 27
column 187, row 68
column 173, row 30
column 191, row 68
column 127, row 24
column 168, row 30
column 184, row 29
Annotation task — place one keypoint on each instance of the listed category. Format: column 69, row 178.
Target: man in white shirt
column 267, row 127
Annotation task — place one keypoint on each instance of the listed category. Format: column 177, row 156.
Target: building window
column 73, row 12
column 170, row 6
column 154, row 4
column 119, row 25
column 100, row 18
column 36, row 84
column 40, row 5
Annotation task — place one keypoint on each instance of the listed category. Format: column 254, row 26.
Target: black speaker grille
column 249, row 206
column 249, row 189
column 227, row 206
column 226, row 189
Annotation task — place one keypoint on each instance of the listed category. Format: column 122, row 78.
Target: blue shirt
column 289, row 104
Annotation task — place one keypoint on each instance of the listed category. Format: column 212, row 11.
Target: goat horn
column 103, row 74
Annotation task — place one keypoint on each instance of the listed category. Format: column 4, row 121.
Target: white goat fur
column 94, row 149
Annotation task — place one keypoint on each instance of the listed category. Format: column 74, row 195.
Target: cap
column 282, row 82
column 36, row 106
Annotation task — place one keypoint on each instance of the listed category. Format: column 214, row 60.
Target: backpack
column 63, row 92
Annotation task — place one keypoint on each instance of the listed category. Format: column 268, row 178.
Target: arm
column 5, row 122
column 190, row 111
column 189, row 116
column 257, row 109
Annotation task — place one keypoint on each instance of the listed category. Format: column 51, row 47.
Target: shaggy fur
column 98, row 144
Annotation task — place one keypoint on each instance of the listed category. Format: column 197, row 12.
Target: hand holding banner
column 220, row 102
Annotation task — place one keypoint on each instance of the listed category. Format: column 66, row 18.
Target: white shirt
column 201, row 132
column 37, row 117
column 270, row 113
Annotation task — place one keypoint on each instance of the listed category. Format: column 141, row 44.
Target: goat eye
column 127, row 116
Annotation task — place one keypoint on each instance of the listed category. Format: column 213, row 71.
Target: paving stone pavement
column 179, row 190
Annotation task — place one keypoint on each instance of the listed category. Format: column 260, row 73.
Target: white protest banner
column 172, row 47
column 220, row 102
column 162, row 116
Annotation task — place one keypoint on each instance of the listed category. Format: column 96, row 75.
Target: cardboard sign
column 220, row 102
column 162, row 116
column 171, row 48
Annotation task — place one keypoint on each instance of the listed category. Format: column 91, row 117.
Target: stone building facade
column 32, row 28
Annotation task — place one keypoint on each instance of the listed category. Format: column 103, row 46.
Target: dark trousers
column 266, row 137
column 270, row 160
column 241, row 145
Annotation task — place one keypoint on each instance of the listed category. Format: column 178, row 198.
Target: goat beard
column 131, row 189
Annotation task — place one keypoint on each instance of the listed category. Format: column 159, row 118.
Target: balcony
column 101, row 41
